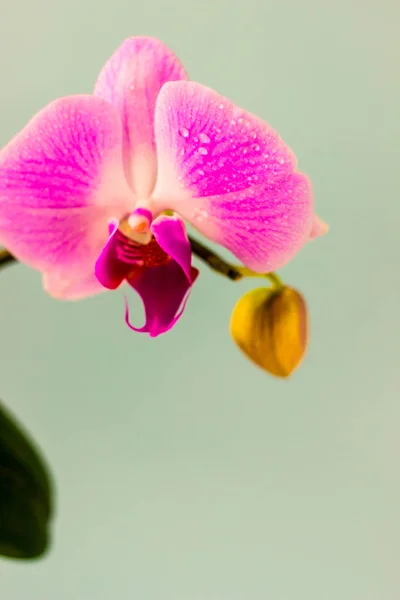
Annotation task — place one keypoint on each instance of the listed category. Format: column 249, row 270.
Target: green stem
column 221, row 266
column 214, row 261
column 273, row 277
column 6, row 258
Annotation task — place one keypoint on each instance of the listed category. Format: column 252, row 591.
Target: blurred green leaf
column 25, row 493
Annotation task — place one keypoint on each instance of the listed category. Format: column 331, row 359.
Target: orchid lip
column 159, row 271
column 125, row 252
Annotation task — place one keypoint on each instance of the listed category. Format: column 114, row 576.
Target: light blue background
column 183, row 472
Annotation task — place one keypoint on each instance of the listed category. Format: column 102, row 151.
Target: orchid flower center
column 131, row 247
column 136, row 226
column 135, row 242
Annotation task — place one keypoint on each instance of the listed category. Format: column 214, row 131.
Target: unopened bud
column 270, row 327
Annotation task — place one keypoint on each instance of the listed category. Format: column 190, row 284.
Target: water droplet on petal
column 203, row 137
column 255, row 147
column 203, row 151
column 184, row 132
column 200, row 172
column 199, row 214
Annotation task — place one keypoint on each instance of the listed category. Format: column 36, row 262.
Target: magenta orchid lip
column 148, row 151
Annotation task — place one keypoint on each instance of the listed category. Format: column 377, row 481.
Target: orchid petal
column 170, row 233
column 164, row 291
column 112, row 267
column 131, row 80
column 67, row 288
column 319, row 227
column 61, row 180
column 231, row 176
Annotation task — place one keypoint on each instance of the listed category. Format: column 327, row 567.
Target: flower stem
column 6, row 258
column 273, row 277
column 208, row 256
column 215, row 262
column 221, row 266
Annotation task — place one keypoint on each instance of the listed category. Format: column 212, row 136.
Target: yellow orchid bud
column 270, row 327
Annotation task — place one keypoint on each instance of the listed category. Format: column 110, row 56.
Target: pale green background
column 183, row 472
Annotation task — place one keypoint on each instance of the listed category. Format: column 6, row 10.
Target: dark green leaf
column 25, row 493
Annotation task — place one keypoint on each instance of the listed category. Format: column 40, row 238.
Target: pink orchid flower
column 86, row 186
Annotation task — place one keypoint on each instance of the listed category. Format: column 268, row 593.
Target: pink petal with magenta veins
column 231, row 176
column 131, row 81
column 61, row 180
column 319, row 227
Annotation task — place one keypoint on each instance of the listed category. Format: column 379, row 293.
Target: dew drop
column 184, row 132
column 200, row 172
column 199, row 214
column 203, row 151
column 255, row 147
column 203, row 137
